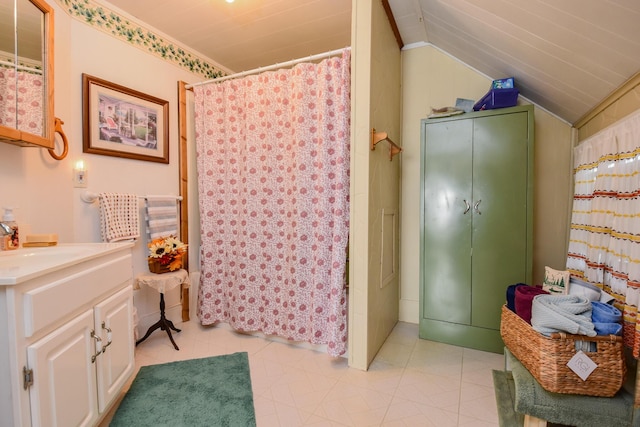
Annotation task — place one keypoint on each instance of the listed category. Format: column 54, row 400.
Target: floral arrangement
column 167, row 251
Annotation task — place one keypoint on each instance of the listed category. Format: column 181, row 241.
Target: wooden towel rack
column 381, row 136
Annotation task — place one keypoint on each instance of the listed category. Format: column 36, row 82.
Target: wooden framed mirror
column 26, row 73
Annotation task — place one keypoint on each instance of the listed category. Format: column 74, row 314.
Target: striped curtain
column 604, row 241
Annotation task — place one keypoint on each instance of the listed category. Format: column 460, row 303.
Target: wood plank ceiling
column 565, row 55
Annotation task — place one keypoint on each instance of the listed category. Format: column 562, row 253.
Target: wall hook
column 382, row 136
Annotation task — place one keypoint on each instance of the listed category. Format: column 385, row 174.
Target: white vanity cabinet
column 66, row 341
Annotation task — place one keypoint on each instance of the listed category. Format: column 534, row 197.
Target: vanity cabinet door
column 64, row 392
column 114, row 323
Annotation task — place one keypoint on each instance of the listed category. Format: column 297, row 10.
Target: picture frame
column 122, row 122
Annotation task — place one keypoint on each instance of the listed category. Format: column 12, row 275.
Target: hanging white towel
column 161, row 216
column 119, row 217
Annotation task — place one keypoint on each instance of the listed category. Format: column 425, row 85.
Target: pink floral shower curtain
column 22, row 108
column 273, row 176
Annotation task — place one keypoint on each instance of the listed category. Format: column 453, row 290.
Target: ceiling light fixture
column 229, row 1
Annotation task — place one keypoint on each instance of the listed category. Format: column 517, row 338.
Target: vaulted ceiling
column 566, row 56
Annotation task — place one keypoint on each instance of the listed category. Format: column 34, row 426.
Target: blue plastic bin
column 497, row 98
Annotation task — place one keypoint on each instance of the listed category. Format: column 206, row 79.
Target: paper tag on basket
column 582, row 365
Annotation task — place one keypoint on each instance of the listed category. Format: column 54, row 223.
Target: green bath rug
column 214, row 391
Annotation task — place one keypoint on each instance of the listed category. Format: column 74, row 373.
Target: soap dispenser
column 9, row 236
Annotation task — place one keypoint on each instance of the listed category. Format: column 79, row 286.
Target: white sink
column 27, row 263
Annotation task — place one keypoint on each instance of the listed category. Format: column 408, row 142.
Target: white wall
column 42, row 188
column 375, row 102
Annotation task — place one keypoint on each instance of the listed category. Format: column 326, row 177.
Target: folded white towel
column 119, row 217
column 161, row 216
column 562, row 313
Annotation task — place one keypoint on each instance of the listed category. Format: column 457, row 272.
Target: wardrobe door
column 499, row 238
column 446, row 222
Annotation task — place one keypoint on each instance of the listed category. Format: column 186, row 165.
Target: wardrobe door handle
column 467, row 207
column 475, row 207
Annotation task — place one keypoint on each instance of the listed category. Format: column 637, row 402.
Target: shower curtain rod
column 271, row 67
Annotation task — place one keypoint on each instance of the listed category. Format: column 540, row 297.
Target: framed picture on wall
column 122, row 122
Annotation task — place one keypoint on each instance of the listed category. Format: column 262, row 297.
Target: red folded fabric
column 524, row 300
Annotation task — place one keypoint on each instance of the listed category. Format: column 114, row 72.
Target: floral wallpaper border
column 8, row 60
column 122, row 28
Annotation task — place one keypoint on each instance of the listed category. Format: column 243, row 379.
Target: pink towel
column 119, row 217
column 524, row 300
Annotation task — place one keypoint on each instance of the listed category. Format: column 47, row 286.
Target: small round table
column 162, row 283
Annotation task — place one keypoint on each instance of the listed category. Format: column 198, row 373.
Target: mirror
column 26, row 73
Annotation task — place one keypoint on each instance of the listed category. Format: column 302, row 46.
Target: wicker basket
column 547, row 357
column 156, row 267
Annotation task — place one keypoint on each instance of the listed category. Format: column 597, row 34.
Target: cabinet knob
column 467, row 207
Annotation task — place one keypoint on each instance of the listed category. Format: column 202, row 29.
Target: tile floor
column 411, row 382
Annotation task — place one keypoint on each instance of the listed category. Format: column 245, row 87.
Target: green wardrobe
column 476, row 222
